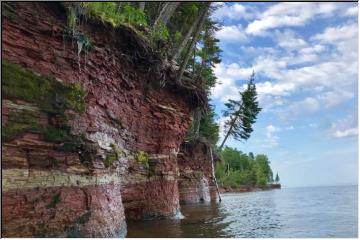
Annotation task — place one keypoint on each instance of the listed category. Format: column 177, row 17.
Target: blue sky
column 305, row 56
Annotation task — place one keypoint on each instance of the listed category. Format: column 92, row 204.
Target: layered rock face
column 86, row 141
column 196, row 183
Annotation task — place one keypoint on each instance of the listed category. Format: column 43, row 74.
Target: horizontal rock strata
column 89, row 139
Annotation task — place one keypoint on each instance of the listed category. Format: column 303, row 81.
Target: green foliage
column 277, row 178
column 232, row 179
column 263, row 171
column 143, row 158
column 177, row 37
column 149, row 164
column 209, row 128
column 159, row 33
column 54, row 201
column 239, row 169
column 118, row 13
column 242, row 113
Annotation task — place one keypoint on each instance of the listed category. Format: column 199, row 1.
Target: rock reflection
column 298, row 212
column 200, row 220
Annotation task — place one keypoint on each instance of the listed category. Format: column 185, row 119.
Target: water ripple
column 297, row 212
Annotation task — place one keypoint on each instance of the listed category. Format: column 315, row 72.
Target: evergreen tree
column 242, row 113
column 277, row 179
column 202, row 17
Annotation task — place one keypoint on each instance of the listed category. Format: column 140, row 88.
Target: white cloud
column 346, row 133
column 232, row 33
column 267, row 102
column 307, row 106
column 346, row 127
column 279, row 89
column 288, row 40
column 234, row 11
column 318, row 48
column 351, row 11
column 229, row 77
column 271, row 139
column 291, row 14
column 333, row 98
column 322, row 67
column 290, row 127
column 256, row 51
column 333, row 35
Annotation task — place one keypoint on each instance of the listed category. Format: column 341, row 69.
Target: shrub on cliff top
column 117, row 14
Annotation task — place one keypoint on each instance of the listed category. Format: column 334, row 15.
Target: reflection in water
column 296, row 212
column 200, row 220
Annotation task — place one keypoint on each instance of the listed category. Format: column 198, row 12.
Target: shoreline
column 248, row 189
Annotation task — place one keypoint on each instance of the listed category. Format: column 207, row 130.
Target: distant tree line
column 240, row 169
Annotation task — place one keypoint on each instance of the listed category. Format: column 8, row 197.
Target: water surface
column 288, row 212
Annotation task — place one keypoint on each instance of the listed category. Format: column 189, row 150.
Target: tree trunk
column 142, row 6
column 198, row 120
column 203, row 15
column 213, row 173
column 228, row 133
column 177, row 51
column 166, row 13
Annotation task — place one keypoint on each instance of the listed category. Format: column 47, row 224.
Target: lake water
column 289, row 212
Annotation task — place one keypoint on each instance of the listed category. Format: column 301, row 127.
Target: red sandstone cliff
column 196, row 182
column 115, row 155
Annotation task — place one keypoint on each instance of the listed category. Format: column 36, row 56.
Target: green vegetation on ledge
column 149, row 164
column 143, row 158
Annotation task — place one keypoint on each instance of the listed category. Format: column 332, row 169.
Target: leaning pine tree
column 242, row 113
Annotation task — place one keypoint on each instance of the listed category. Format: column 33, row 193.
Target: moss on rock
column 50, row 96
column 112, row 156
column 46, row 92
column 18, row 123
column 143, row 158
column 54, row 201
